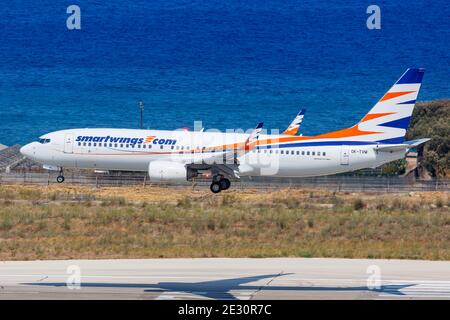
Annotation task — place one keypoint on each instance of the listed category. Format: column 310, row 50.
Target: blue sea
column 230, row 64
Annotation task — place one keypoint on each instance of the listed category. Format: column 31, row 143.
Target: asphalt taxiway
column 225, row 278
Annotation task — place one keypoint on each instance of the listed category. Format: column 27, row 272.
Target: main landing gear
column 60, row 178
column 219, row 183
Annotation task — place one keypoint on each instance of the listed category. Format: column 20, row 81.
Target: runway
column 244, row 279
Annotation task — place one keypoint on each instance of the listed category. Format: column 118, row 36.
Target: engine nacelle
column 167, row 171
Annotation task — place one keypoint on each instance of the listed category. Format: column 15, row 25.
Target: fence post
column 145, row 180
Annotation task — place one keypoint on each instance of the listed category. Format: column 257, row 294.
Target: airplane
column 378, row 138
column 295, row 124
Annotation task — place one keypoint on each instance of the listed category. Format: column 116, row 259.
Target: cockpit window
column 44, row 141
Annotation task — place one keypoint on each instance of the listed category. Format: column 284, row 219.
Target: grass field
column 79, row 222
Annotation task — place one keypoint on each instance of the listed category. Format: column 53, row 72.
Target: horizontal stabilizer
column 401, row 146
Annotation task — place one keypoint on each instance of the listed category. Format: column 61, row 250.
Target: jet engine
column 167, row 171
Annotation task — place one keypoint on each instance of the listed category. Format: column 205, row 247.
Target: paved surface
column 285, row 278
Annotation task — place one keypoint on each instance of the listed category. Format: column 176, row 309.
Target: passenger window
column 161, row 146
column 282, row 152
column 172, row 147
column 121, row 145
column 324, row 154
column 89, row 144
column 313, row 153
column 307, row 153
column 303, row 153
column 110, row 145
column 298, row 152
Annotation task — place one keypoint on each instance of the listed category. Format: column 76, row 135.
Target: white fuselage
column 133, row 150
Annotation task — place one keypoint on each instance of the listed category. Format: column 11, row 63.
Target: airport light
column 141, row 106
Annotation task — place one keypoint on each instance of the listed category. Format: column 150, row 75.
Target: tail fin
column 390, row 117
column 295, row 124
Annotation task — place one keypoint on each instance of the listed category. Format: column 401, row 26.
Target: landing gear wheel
column 60, row 179
column 215, row 187
column 225, row 184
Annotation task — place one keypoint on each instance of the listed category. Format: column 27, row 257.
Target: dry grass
column 78, row 222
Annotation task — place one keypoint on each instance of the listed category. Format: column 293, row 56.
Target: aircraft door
column 345, row 155
column 68, row 143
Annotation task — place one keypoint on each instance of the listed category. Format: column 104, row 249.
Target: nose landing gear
column 60, row 178
column 219, row 183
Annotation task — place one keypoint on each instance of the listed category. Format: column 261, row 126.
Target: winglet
column 251, row 140
column 295, row 124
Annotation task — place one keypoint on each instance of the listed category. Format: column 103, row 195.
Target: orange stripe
column 349, row 132
column 291, row 132
column 375, row 115
column 391, row 95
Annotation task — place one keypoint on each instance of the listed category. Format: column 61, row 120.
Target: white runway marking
column 424, row 289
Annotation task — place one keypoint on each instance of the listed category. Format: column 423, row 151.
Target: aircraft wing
column 295, row 124
column 401, row 146
column 231, row 152
column 225, row 161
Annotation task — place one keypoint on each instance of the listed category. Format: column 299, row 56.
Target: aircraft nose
column 26, row 150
